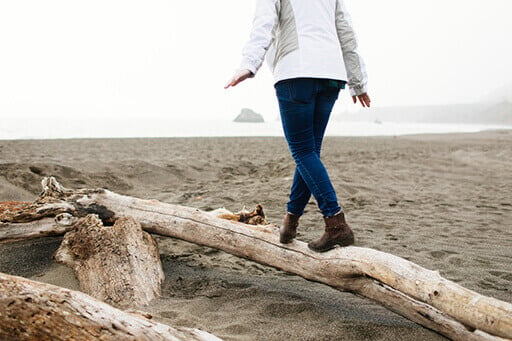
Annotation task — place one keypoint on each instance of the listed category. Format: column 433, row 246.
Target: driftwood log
column 31, row 310
column 118, row 264
column 419, row 294
column 33, row 226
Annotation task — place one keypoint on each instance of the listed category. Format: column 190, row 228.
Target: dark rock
column 248, row 115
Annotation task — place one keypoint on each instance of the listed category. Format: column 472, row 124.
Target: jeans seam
column 290, row 93
column 322, row 195
column 310, row 178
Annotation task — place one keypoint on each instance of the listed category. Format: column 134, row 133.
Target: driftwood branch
column 402, row 286
column 118, row 264
column 31, row 310
column 50, row 226
column 416, row 311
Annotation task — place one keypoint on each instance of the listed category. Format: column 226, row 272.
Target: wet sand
column 442, row 201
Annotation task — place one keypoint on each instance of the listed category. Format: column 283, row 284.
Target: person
column 311, row 49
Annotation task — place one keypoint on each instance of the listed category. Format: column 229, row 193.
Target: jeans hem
column 340, row 210
column 292, row 211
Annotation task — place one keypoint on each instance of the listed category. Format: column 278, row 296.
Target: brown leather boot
column 288, row 231
column 337, row 232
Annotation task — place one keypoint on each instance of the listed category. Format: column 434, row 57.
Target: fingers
column 234, row 81
column 364, row 99
column 239, row 77
column 361, row 100
column 229, row 84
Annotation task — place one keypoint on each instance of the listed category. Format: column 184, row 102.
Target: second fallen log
column 118, row 264
column 31, row 310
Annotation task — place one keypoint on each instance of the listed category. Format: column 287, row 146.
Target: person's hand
column 239, row 76
column 364, row 99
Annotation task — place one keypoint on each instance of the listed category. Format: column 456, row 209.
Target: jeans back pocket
column 297, row 90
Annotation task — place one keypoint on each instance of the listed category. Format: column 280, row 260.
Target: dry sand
column 442, row 201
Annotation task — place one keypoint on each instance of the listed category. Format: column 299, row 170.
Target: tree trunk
column 118, row 264
column 402, row 286
column 32, row 311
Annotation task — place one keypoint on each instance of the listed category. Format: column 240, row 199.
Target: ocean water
column 54, row 129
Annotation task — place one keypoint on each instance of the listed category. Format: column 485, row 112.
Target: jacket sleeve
column 261, row 37
column 356, row 70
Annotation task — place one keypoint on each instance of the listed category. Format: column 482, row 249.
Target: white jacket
column 305, row 38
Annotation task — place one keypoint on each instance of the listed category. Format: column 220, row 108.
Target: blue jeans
column 305, row 105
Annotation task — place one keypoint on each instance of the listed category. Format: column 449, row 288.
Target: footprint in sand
column 491, row 283
column 502, row 274
column 237, row 329
column 441, row 254
column 483, row 261
column 169, row 314
column 456, row 261
column 391, row 237
column 235, row 285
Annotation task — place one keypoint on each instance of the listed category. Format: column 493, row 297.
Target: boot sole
column 341, row 243
column 286, row 240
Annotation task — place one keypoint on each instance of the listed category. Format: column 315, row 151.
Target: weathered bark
column 118, row 264
column 52, row 203
column 416, row 311
column 256, row 217
column 404, row 287
column 44, row 227
column 31, row 310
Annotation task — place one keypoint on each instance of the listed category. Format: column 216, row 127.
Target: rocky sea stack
column 248, row 115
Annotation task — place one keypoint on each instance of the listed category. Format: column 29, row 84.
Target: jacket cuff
column 246, row 66
column 358, row 90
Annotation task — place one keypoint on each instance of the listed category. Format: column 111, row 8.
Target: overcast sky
column 171, row 59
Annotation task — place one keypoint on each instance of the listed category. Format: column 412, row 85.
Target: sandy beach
column 441, row 201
